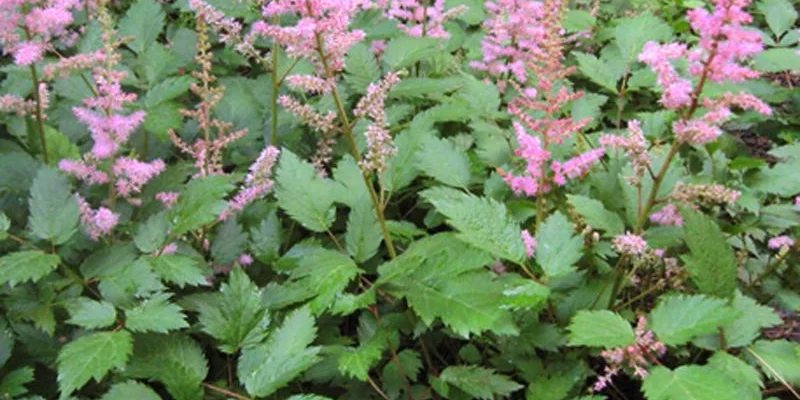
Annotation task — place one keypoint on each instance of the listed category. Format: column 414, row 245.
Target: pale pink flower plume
column 96, row 223
column 637, row 357
column 529, row 242
column 418, row 18
column 779, row 242
column 380, row 145
column 245, row 259
column 667, row 216
column 170, row 248
column 629, row 244
column 634, row 145
column 257, row 184
column 167, row 199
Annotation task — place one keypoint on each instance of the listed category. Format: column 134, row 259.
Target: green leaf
column 404, row 51
column 156, row 314
column 689, row 383
column 90, row 313
column 413, row 88
column 130, row 390
column 91, row 357
column 558, row 249
column 5, row 223
column 54, row 211
column 779, row 359
column 236, row 317
column 439, row 159
column 747, row 378
column 777, row 60
column 598, row 71
column 144, row 21
column 357, row 362
column 578, row 20
column 479, row 382
column 200, row 203
column 167, row 90
column 266, row 238
column 178, row 269
column 481, row 222
column 24, row 266
column 633, row 33
column 6, row 342
column 315, row 273
column 306, row 197
column 361, row 68
column 597, row 215
column 363, row 236
column 780, row 15
column 601, row 328
column 59, row 146
column 678, row 319
column 712, row 263
column 778, row 179
column 747, row 328
column 132, row 280
column 151, row 234
column 265, row 368
column 175, row 360
column 13, row 383
column 229, row 242
column 525, row 294
column 163, row 117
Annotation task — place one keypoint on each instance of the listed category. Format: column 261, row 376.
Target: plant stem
column 225, row 391
column 275, row 87
column 348, row 133
column 39, row 116
column 772, row 267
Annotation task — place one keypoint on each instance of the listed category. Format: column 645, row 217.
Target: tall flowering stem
column 545, row 49
column 723, row 45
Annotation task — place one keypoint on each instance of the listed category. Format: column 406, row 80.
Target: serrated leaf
column 479, row 382
column 413, row 88
column 777, row 60
column 178, row 269
column 175, row 360
column 91, row 357
column 747, row 327
column 678, row 319
column 470, row 303
column 265, row 368
column 558, row 249
column 90, row 313
column 134, row 279
column 597, row 215
column 24, row 266
column 6, row 342
column 12, row 384
column 404, row 51
column 167, row 89
column 357, row 362
column 130, row 390
column 5, row 223
column 481, row 222
column 361, row 68
column 236, row 317
column 779, row 359
column 156, row 314
column 59, row 146
column 163, row 117
column 525, row 295
column 306, row 197
column 598, row 71
column 363, row 236
column 747, row 378
column 439, row 159
column 780, row 15
column 633, row 33
column 601, row 328
column 689, row 383
column 229, row 242
column 199, row 203
column 712, row 263
column 151, row 234
column 143, row 22
column 315, row 274
column 266, row 238
column 54, row 211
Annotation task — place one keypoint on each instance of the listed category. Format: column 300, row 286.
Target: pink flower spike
column 168, row 199
column 529, row 242
column 245, row 259
column 28, row 53
column 667, row 216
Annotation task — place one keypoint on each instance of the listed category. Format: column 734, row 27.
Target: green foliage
column 483, row 223
column 54, row 212
column 155, row 314
column 130, row 390
column 92, row 357
column 91, row 314
column 199, row 203
column 711, row 262
column 175, row 360
column 235, row 316
column 597, row 215
column 678, row 319
column 440, row 160
column 305, row 196
column 478, row 382
column 558, row 249
column 26, row 266
column 689, row 383
column 268, row 366
column 143, row 23
column 600, row 329
column 779, row 359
